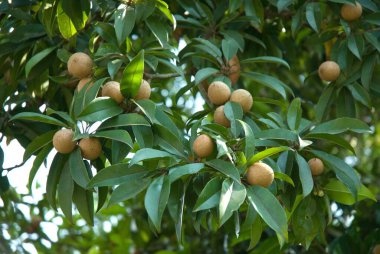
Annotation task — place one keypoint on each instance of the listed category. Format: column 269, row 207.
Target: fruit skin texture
column 376, row 249
column 329, row 71
column 220, row 117
column 83, row 82
column 260, row 174
column 112, row 89
column 218, row 92
column 316, row 166
column 144, row 91
column 203, row 146
column 90, row 148
column 80, row 65
column 63, row 141
column 351, row 12
column 234, row 64
column 244, row 98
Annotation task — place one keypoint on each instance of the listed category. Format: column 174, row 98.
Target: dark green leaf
column 209, row 196
column 119, row 135
column 36, row 59
column 232, row 197
column 226, row 168
column 127, row 190
column 340, row 125
column 150, row 154
column 124, row 23
column 84, row 201
column 305, row 175
column 78, row 169
column 188, row 169
column 37, row 117
column 65, row 192
column 100, row 109
column 294, row 114
column 53, row 177
column 266, row 59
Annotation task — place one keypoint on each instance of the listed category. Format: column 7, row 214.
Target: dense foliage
column 147, row 183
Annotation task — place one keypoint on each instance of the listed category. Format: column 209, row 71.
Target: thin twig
column 161, row 76
column 16, row 166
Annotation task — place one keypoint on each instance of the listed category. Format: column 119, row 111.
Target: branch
column 16, row 166
column 161, row 76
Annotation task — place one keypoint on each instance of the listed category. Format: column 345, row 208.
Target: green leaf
column 159, row 30
column 36, row 59
column 373, row 18
column 340, row 125
column 294, row 114
column 353, row 46
column 118, row 135
column 149, row 154
column 84, row 201
column 124, row 22
column 130, row 119
column 90, row 93
column 53, row 178
column 270, row 210
column 188, row 169
column 40, row 158
column 128, row 190
column 148, row 107
column 367, row 70
column 226, row 168
column 37, row 117
column 209, row 196
column 156, row 198
column 78, row 169
column 270, row 82
column 38, row 143
column 284, row 177
column 266, row 59
column 311, row 9
column 249, row 141
column 267, row 153
column 132, row 76
column 77, row 11
column 100, row 109
column 338, row 192
column 256, row 232
column 322, row 107
column 164, row 8
column 229, row 48
column 117, row 174
column 61, row 114
column 204, row 73
column 232, row 197
column 372, row 40
column 65, row 192
column 65, row 24
column 305, row 175
column 233, row 111
column 332, row 138
column 360, row 94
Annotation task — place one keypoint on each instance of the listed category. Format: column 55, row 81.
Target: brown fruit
column 260, row 174
column 144, row 91
column 244, row 98
column 351, row 12
column 83, row 82
column 90, row 148
column 316, row 166
column 203, row 146
column 234, row 72
column 376, row 249
column 112, row 89
column 63, row 141
column 80, row 65
column 329, row 71
column 218, row 92
column 220, row 117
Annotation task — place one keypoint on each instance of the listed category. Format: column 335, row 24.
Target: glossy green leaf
column 205, row 73
column 53, row 178
column 284, row 177
column 340, row 125
column 78, row 169
column 294, row 114
column 100, row 109
column 84, row 201
column 37, row 117
column 40, row 158
column 65, row 192
column 118, row 135
column 305, row 175
column 249, row 141
column 267, row 153
column 225, row 168
column 188, row 169
column 124, row 22
column 150, row 154
column 65, row 24
column 38, row 143
column 128, row 190
column 232, row 197
column 132, row 76
column 333, row 139
column 209, row 196
column 266, row 59
column 130, row 119
column 34, row 60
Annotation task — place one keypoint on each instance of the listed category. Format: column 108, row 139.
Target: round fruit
column 329, row 71
column 244, row 98
column 376, row 249
column 234, row 64
column 218, row 92
column 63, row 141
column 220, row 117
column 112, row 89
column 351, row 12
column 144, row 91
column 90, row 148
column 316, row 166
column 260, row 174
column 83, row 82
column 203, row 146
column 80, row 65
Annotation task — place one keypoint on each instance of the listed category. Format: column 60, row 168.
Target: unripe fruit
column 329, row 71
column 376, row 249
column 112, row 89
column 90, row 148
column 220, row 117
column 80, row 65
column 83, row 82
column 203, row 146
column 144, row 91
column 218, row 92
column 234, row 64
column 63, row 141
column 351, row 12
column 244, row 98
column 316, row 166
column 260, row 174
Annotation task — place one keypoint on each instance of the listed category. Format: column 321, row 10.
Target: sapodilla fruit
column 83, row 82
column 234, row 71
column 329, row 71
column 376, row 249
column 260, row 174
column 203, row 146
column 144, row 91
column 316, row 166
column 218, row 92
column 80, row 65
column 63, row 141
column 220, row 117
column 90, row 148
column 244, row 98
column 112, row 89
column 351, row 12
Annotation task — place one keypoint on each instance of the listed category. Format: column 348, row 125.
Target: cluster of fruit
column 80, row 66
